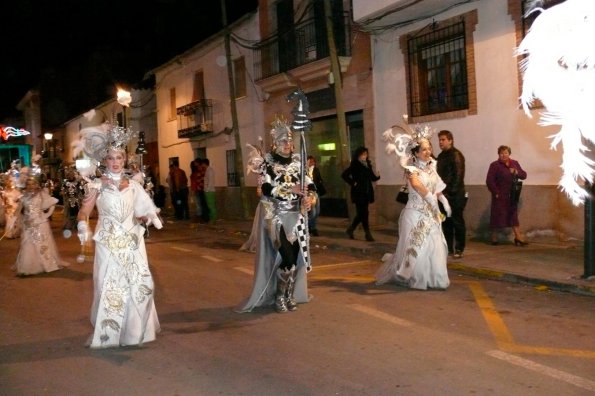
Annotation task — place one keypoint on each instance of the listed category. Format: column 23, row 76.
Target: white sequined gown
column 123, row 311
column 420, row 259
column 38, row 252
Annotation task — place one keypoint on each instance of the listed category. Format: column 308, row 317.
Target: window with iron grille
column 233, row 179
column 438, row 70
column 518, row 10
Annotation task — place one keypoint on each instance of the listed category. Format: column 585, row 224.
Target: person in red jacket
column 504, row 210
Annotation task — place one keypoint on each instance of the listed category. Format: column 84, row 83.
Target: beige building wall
column 178, row 74
column 498, row 120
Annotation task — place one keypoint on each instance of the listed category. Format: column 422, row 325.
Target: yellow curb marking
column 504, row 338
column 348, row 264
column 495, row 323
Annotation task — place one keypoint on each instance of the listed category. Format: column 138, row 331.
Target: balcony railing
column 195, row 118
column 304, row 43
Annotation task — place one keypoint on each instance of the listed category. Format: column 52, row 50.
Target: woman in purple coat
column 504, row 210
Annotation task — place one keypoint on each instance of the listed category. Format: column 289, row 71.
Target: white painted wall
column 179, row 74
column 499, row 120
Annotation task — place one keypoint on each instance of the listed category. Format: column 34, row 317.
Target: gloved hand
column 83, row 231
column 154, row 219
column 431, row 199
column 444, row 201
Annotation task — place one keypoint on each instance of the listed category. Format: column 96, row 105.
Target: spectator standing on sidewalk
column 313, row 214
column 360, row 175
column 197, row 184
column 210, row 197
column 451, row 169
column 178, row 185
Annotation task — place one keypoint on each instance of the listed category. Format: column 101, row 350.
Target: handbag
column 403, row 195
column 515, row 190
column 320, row 189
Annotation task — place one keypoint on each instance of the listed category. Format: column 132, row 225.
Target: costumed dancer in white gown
column 420, row 259
column 123, row 311
column 11, row 200
column 282, row 241
column 38, row 252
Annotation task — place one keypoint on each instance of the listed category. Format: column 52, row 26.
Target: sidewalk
column 546, row 263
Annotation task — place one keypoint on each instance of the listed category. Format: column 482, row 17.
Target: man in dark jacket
column 451, row 168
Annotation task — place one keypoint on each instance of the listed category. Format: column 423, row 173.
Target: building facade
column 451, row 64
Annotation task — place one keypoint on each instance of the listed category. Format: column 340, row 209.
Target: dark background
column 76, row 51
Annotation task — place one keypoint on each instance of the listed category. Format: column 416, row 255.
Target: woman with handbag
column 500, row 179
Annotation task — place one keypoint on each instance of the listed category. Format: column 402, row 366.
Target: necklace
column 115, row 178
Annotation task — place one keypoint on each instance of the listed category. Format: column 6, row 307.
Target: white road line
column 181, row 249
column 244, row 270
column 211, row 258
column 381, row 315
column 545, row 370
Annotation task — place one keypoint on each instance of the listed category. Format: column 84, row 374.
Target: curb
column 379, row 248
column 539, row 284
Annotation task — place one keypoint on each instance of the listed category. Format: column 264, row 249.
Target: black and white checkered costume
column 286, row 220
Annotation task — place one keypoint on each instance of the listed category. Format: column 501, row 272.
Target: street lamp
column 141, row 149
column 48, row 136
column 124, row 98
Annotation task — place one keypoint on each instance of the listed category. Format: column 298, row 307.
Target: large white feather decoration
column 559, row 70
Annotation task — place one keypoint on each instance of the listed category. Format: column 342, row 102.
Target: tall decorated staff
column 301, row 123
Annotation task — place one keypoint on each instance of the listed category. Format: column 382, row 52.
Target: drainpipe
column 238, row 166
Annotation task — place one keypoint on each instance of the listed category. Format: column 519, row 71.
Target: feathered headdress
column 400, row 140
column 96, row 141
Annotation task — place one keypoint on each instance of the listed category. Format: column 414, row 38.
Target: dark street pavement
column 546, row 263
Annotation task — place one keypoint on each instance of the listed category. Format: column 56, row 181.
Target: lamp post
column 48, row 136
column 141, row 149
column 123, row 98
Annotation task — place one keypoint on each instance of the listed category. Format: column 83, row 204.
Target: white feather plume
column 559, row 70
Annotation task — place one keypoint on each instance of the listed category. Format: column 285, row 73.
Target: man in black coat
column 451, row 169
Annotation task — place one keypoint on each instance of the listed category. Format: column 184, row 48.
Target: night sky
column 75, row 52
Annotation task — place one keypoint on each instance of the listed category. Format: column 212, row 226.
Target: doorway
column 323, row 144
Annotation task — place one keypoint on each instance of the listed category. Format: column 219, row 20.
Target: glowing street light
column 124, row 97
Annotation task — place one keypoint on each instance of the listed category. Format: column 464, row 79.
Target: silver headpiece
column 96, row 141
column 280, row 131
column 402, row 140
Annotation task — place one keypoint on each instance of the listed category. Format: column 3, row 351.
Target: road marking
column 315, row 267
column 545, row 370
column 244, row 270
column 381, row 315
column 181, row 249
column 211, row 258
column 491, row 315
